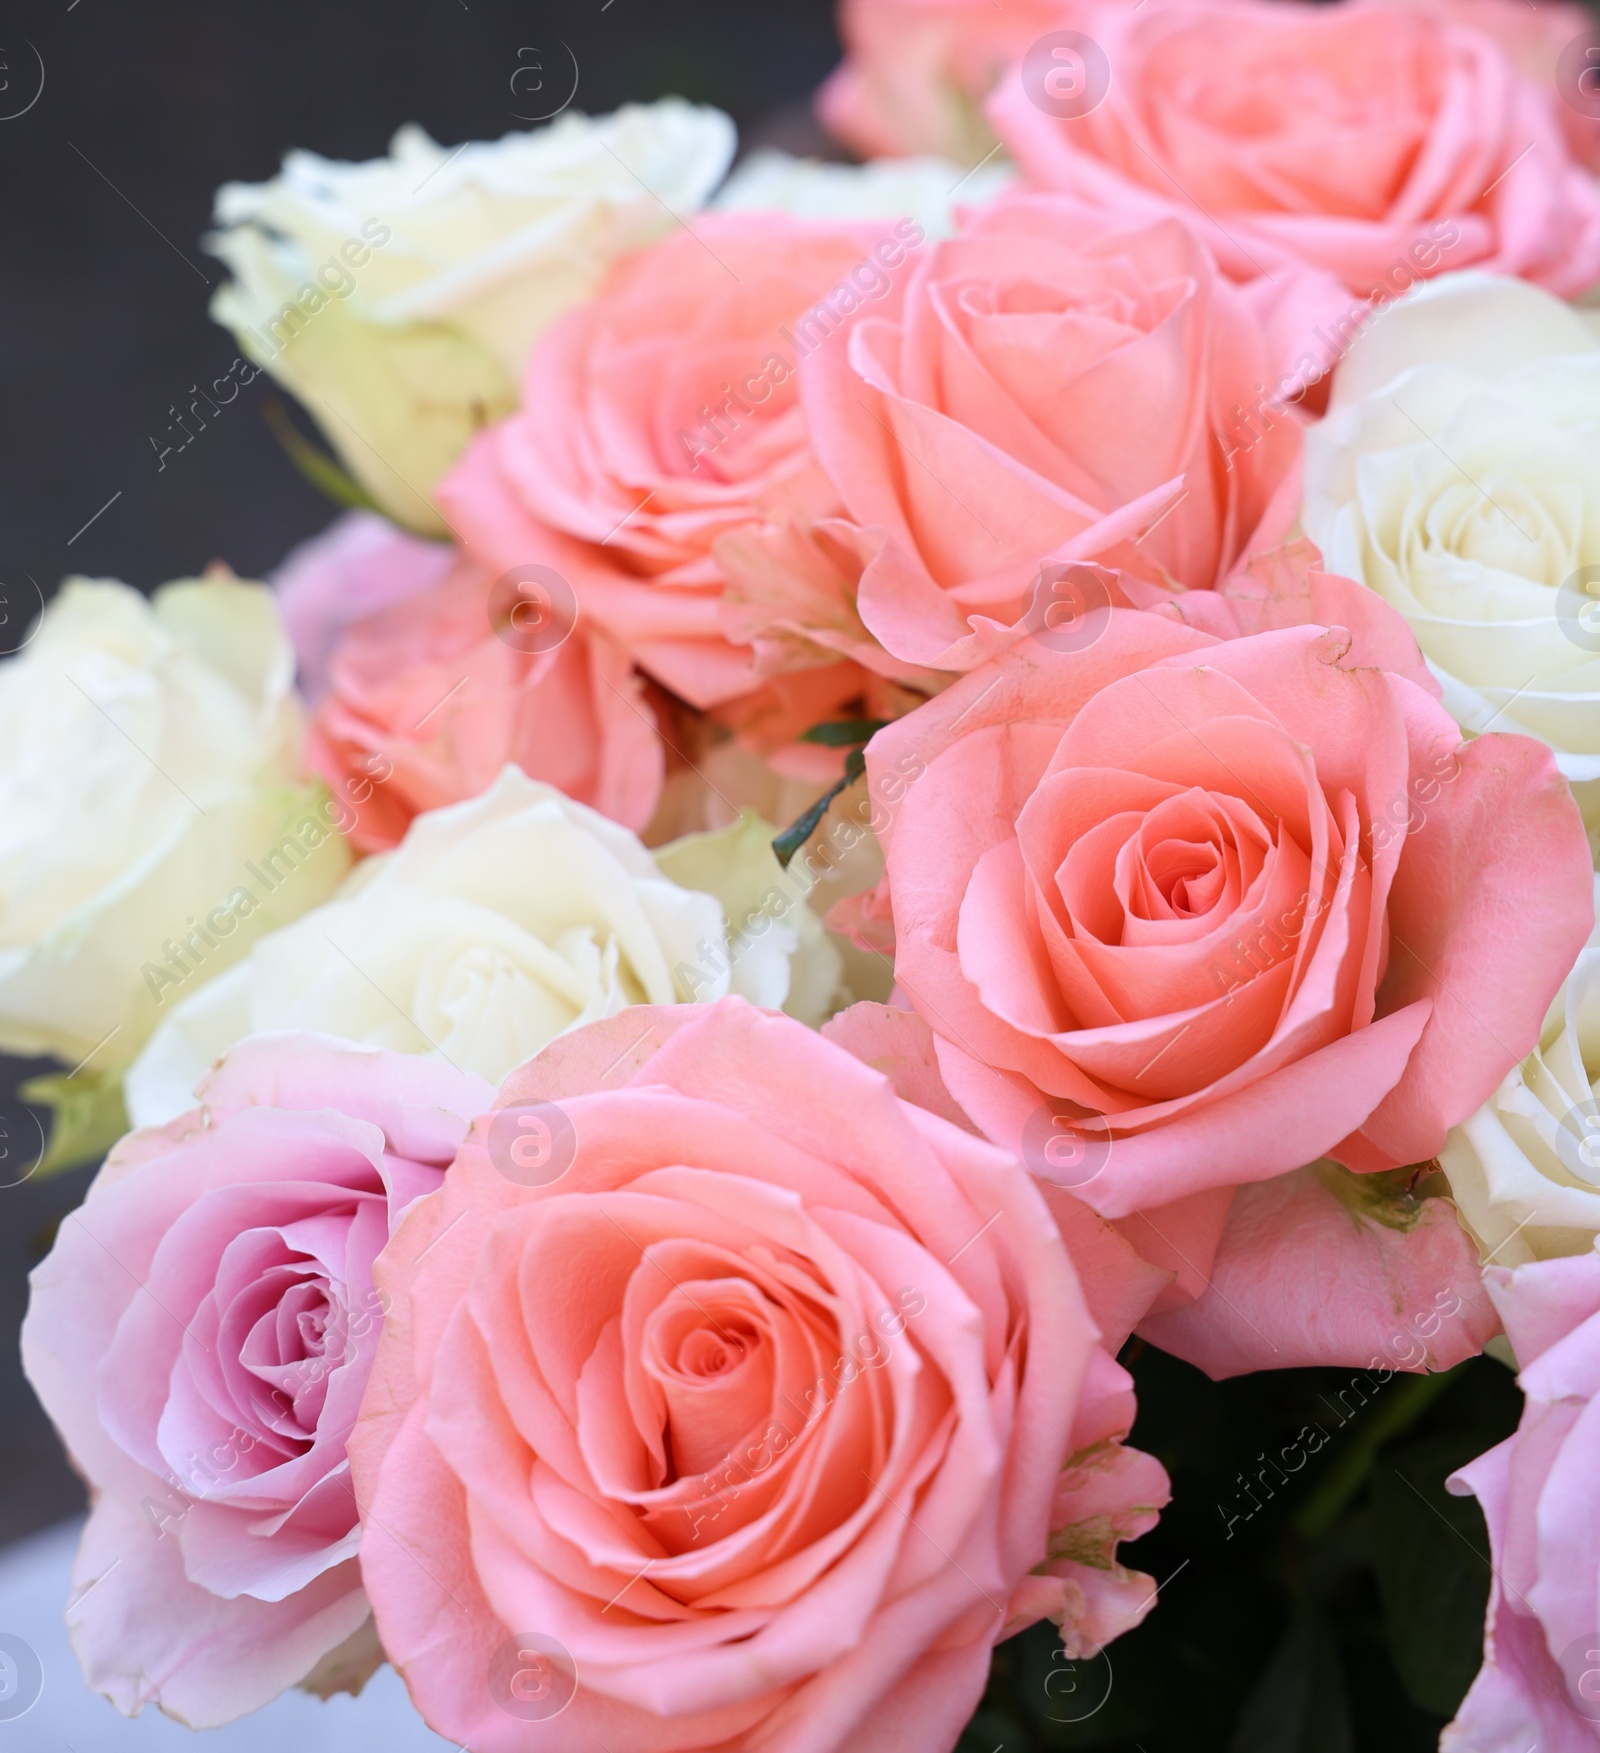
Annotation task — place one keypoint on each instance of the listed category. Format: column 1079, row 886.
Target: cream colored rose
column 493, row 927
column 1525, row 1169
column 398, row 299
column 779, row 952
column 149, row 755
column 925, row 189
column 1458, row 474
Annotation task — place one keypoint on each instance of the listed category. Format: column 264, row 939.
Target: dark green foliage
column 1320, row 1591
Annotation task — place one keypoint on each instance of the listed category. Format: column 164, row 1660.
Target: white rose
column 398, row 299
column 1525, row 1169
column 780, row 953
column 925, row 189
column 1458, row 474
column 493, row 927
column 149, row 753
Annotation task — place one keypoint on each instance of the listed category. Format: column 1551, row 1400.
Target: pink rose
column 1053, row 385
column 201, row 1334
column 1533, row 37
column 1366, row 139
column 916, row 72
column 741, row 1405
column 1185, row 912
column 1540, row 1680
column 1325, row 1267
column 359, row 565
column 663, row 416
column 431, row 697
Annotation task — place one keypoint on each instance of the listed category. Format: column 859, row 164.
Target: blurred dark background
column 106, row 185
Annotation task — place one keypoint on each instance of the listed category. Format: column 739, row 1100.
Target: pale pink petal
column 1310, row 1270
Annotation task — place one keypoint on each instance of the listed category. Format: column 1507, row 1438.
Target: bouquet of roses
column 915, row 801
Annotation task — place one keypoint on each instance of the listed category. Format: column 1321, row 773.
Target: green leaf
column 1432, row 1560
column 1299, row 1704
column 1405, row 1402
column 789, row 842
column 843, row 733
column 87, row 1117
column 319, row 468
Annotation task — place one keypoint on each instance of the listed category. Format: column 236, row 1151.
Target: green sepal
column 844, row 733
column 324, row 473
column 86, row 1117
column 789, row 842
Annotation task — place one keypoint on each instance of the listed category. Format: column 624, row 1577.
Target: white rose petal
column 149, row 754
column 928, row 190
column 1458, row 474
column 781, row 954
column 1525, row 1169
column 493, row 927
column 398, row 299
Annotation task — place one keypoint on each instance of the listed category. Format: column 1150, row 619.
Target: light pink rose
column 359, row 565
column 1326, row 1267
column 760, row 1393
column 428, row 699
column 916, row 72
column 664, row 415
column 1288, row 588
column 1540, row 1680
column 1053, row 385
column 1185, row 912
column 1359, row 137
column 201, row 1334
column 1533, row 37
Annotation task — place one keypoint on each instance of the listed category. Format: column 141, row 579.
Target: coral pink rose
column 1540, row 1681
column 1052, row 386
column 201, row 1334
column 663, row 415
column 1185, row 912
column 1359, row 137
column 746, row 1405
column 916, row 72
column 433, row 696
